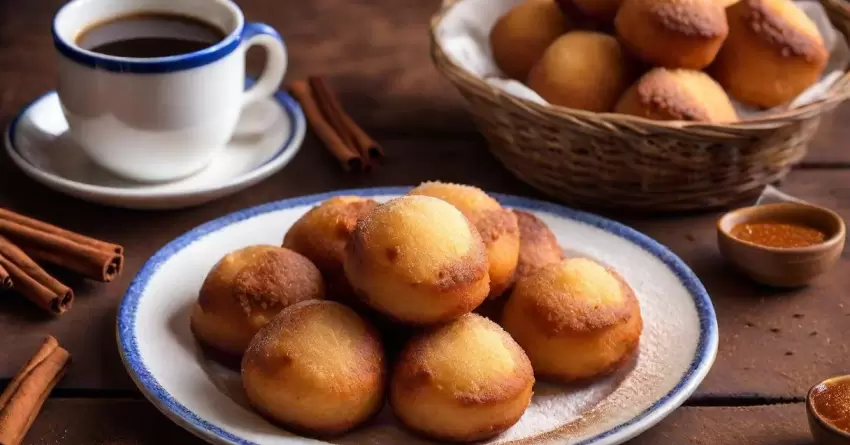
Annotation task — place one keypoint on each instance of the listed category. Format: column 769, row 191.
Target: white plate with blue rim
column 677, row 347
column 267, row 137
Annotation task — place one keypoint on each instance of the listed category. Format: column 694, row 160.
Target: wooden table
column 773, row 345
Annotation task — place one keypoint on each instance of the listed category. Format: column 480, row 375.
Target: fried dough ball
column 604, row 10
column 245, row 290
column 672, row 33
column 496, row 225
column 521, row 35
column 575, row 319
column 418, row 260
column 463, row 381
column 773, row 53
column 537, row 244
column 683, row 95
column 321, row 235
column 582, row 70
column 317, row 368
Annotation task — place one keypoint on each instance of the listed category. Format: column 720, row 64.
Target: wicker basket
column 617, row 161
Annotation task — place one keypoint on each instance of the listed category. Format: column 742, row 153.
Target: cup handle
column 276, row 60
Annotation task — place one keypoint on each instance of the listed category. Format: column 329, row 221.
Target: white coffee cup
column 159, row 119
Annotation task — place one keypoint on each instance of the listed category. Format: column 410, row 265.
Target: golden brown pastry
column 575, row 319
column 317, row 369
column 496, row 225
column 245, row 290
column 520, row 36
column 537, row 244
column 773, row 53
column 418, row 260
column 684, row 95
column 321, row 235
column 582, row 70
column 672, row 33
column 604, row 10
column 463, row 381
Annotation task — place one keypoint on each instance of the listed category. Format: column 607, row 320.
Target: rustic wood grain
column 758, row 326
column 136, row 422
column 772, row 343
column 375, row 53
column 763, row 425
column 829, row 148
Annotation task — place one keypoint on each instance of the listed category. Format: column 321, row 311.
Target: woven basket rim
column 838, row 92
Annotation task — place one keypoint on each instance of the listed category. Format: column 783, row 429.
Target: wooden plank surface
column 375, row 53
column 773, row 346
column 759, row 326
column 136, row 422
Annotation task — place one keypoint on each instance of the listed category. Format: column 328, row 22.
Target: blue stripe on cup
column 152, row 65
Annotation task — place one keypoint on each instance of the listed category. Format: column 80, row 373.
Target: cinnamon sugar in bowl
column 782, row 245
column 828, row 411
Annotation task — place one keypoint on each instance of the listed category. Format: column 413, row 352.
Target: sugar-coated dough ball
column 582, row 70
column 322, row 233
column 683, row 95
column 538, row 245
column 599, row 9
column 462, row 381
column 318, row 369
column 773, row 53
column 575, row 319
column 418, row 260
column 672, row 33
column 496, row 225
column 245, row 290
column 520, row 36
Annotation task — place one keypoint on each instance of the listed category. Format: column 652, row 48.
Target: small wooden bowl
column 823, row 432
column 782, row 267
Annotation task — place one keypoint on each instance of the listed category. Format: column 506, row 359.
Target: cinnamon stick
column 366, row 146
column 342, row 121
column 32, row 281
column 5, row 279
column 331, row 110
column 22, row 400
column 345, row 154
column 87, row 256
column 50, row 228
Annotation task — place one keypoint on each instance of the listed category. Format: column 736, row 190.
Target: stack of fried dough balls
column 666, row 60
column 424, row 261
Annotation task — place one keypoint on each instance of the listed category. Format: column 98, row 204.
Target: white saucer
column 267, row 137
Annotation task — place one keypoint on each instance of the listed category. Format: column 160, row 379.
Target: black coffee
column 148, row 35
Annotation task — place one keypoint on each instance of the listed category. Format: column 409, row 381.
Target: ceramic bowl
column 823, row 432
column 782, row 267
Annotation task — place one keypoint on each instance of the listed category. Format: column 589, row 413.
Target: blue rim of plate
column 290, row 106
column 127, row 342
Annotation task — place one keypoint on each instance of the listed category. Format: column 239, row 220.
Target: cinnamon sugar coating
column 773, row 53
column 463, row 381
column 538, row 245
column 672, row 33
column 686, row 95
column 496, row 225
column 575, row 319
column 418, row 260
column 318, row 369
column 322, row 234
column 245, row 289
